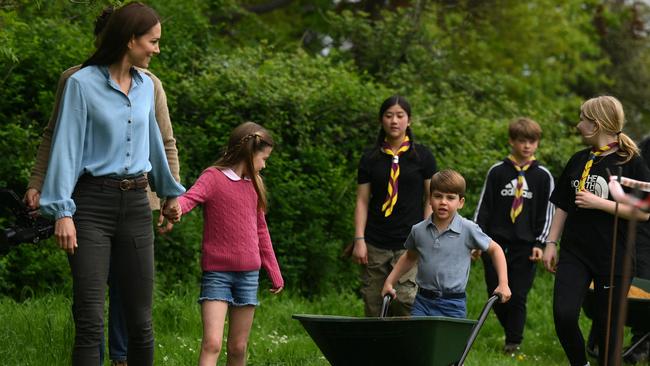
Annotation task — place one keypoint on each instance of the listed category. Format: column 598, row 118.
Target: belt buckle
column 126, row 184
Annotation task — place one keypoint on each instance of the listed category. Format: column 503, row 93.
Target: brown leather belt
column 124, row 184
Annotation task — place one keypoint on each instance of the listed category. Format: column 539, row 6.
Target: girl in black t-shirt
column 393, row 178
column 584, row 207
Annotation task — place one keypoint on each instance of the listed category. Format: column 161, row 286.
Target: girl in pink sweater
column 236, row 241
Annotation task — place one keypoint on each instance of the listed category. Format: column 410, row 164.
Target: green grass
column 40, row 331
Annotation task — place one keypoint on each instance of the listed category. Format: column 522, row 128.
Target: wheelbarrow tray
column 422, row 341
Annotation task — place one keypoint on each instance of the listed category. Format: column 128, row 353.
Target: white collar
column 228, row 172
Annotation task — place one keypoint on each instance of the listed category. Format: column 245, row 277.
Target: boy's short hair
column 526, row 128
column 448, row 181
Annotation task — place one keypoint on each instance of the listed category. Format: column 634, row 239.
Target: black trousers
column 112, row 225
column 521, row 273
column 572, row 280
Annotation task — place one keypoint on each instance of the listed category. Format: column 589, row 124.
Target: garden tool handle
column 477, row 326
column 385, row 305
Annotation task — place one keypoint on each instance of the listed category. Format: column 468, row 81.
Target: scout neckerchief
column 592, row 155
column 391, row 197
column 518, row 201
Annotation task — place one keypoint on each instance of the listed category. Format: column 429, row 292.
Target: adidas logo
column 509, row 190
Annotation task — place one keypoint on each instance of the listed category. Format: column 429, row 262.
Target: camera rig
column 29, row 226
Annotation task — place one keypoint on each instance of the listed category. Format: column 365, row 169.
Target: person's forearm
column 499, row 262
column 360, row 219
column 625, row 211
column 427, row 206
column 361, row 210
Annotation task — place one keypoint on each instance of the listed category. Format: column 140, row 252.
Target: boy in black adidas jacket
column 514, row 210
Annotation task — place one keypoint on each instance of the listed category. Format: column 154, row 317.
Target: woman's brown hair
column 131, row 20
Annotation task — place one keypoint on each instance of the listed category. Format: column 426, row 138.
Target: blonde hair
column 245, row 140
column 607, row 114
column 522, row 127
column 448, row 181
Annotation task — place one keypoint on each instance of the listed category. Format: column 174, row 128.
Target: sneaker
column 511, row 348
column 118, row 363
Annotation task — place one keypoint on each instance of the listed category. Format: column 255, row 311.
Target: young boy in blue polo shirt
column 441, row 246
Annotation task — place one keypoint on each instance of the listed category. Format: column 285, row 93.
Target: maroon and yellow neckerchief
column 518, row 201
column 391, row 197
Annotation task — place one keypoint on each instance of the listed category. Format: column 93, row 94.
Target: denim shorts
column 453, row 308
column 235, row 288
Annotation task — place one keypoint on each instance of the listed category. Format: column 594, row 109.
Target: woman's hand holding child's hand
column 476, row 254
column 172, row 210
column 162, row 227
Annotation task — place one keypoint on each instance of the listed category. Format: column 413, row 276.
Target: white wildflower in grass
column 278, row 339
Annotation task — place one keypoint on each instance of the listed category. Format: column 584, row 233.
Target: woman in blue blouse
column 106, row 147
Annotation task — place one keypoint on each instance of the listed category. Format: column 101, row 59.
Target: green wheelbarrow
column 417, row 341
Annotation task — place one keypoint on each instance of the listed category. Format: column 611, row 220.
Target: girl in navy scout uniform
column 585, row 208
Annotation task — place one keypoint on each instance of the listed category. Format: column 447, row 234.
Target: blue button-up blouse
column 103, row 132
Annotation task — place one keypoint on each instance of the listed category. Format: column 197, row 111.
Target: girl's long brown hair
column 245, row 140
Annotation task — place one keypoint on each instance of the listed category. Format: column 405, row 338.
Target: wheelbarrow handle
column 477, row 327
column 385, row 305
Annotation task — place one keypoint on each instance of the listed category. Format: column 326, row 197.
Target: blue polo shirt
column 445, row 256
column 103, row 132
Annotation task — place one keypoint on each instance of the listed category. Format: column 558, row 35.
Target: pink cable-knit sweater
column 235, row 235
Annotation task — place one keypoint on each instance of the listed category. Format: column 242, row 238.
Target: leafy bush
column 467, row 70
